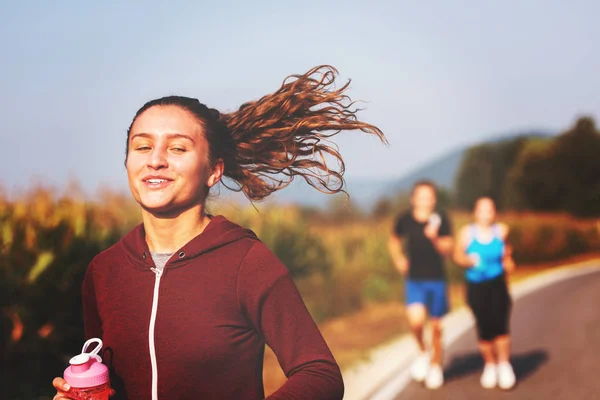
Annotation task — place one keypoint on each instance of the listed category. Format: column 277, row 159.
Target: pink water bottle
column 88, row 377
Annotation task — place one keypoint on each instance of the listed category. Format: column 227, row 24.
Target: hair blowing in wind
column 266, row 143
column 286, row 134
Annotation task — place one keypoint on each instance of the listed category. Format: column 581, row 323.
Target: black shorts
column 491, row 305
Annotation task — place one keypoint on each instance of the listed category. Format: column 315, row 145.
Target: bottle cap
column 86, row 369
column 435, row 219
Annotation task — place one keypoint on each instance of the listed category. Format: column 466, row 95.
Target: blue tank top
column 489, row 254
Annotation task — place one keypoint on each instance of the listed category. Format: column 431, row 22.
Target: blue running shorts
column 432, row 294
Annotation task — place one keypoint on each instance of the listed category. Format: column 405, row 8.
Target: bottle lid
column 435, row 219
column 86, row 369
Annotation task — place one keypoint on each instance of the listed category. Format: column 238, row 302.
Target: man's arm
column 397, row 254
column 441, row 236
column 444, row 245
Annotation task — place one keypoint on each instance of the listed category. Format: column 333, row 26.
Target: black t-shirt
column 426, row 263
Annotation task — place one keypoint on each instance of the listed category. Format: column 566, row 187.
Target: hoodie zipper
column 158, row 274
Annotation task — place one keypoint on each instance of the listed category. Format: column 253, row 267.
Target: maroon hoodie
column 197, row 330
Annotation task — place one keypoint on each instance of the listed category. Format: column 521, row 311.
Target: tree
column 563, row 176
column 576, row 158
column 445, row 198
column 484, row 170
column 383, row 208
column 527, row 185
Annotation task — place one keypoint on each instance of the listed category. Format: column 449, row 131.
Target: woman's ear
column 216, row 174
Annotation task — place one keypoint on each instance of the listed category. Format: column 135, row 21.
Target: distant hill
column 365, row 193
column 440, row 170
column 443, row 169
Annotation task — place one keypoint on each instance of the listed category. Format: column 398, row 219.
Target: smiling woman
column 186, row 301
column 167, row 161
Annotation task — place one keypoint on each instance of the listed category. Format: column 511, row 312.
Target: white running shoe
column 489, row 378
column 435, row 377
column 420, row 367
column 506, row 376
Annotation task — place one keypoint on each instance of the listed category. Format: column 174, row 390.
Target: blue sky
column 437, row 75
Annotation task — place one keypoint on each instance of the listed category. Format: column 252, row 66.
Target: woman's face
column 167, row 161
column 484, row 211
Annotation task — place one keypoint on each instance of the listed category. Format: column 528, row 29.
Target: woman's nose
column 157, row 159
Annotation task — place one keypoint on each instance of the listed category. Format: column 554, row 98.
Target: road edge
column 386, row 373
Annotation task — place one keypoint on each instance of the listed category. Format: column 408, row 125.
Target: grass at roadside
column 352, row 337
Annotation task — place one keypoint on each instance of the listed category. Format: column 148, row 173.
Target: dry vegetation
column 342, row 270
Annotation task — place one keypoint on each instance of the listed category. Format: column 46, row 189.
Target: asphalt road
column 555, row 355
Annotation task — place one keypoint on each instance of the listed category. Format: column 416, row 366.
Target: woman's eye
column 142, row 148
column 178, row 149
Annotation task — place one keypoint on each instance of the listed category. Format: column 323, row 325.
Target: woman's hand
column 509, row 265
column 474, row 259
column 508, row 261
column 62, row 389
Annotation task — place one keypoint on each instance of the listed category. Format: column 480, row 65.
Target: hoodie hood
column 218, row 233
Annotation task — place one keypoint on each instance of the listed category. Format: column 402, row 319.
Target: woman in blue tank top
column 482, row 249
column 487, row 253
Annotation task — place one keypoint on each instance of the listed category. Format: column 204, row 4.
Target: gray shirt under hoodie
column 160, row 259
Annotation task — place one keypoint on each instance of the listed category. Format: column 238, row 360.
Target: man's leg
column 436, row 336
column 438, row 307
column 416, row 314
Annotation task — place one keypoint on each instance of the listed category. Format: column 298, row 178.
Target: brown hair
column 481, row 198
column 267, row 142
column 424, row 182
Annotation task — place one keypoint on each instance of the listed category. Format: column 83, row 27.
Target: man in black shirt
column 420, row 240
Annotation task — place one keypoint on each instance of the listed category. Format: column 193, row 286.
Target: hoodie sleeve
column 91, row 318
column 268, row 296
